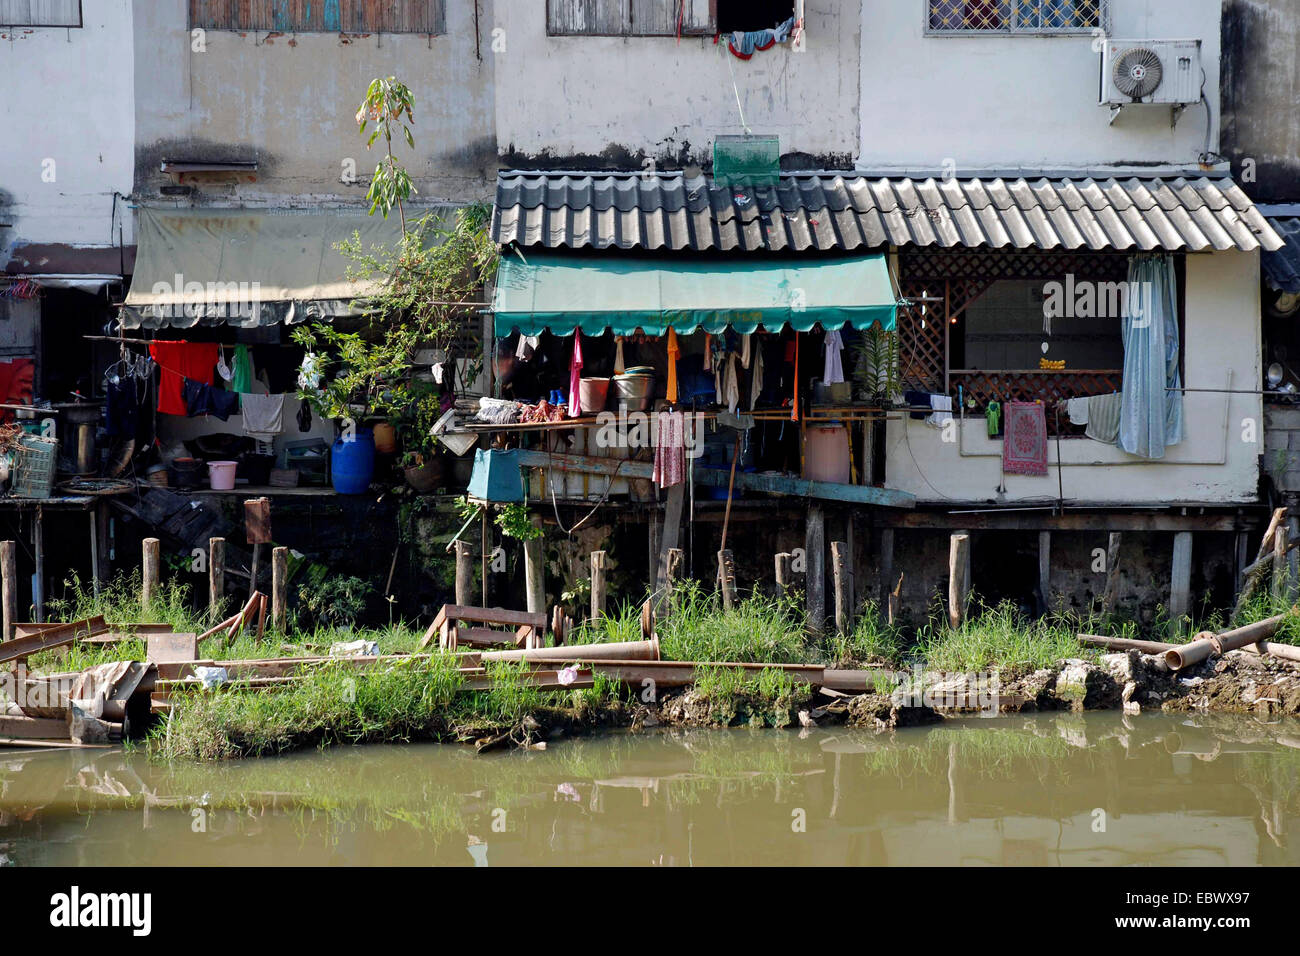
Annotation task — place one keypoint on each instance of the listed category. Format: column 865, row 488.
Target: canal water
column 1096, row 789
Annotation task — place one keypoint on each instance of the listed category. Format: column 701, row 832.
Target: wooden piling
column 842, row 571
column 598, row 593
column 1180, row 579
column 216, row 576
column 887, row 580
column 464, row 574
column 672, row 571
column 279, row 588
column 958, row 577
column 9, row 586
column 151, row 556
column 815, row 562
column 727, row 577
column 1045, row 570
column 535, row 574
column 784, row 574
column 1110, row 596
column 1281, row 537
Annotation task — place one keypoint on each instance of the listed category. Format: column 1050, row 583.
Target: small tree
column 434, row 269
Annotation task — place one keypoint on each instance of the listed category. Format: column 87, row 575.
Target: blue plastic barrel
column 352, row 463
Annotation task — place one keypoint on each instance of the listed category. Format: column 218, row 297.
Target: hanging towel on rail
column 670, row 450
column 1103, row 417
column 263, row 415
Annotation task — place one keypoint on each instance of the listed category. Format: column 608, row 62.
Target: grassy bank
column 426, row 698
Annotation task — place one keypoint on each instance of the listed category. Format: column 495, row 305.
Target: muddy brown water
column 1044, row 790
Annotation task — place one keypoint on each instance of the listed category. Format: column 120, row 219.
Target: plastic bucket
column 593, row 393
column 221, row 475
column 352, row 463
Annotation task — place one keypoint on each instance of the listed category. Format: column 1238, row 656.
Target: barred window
column 1016, row 16
column 40, row 13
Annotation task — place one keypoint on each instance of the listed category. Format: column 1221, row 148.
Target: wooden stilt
column 842, row 571
column 1045, row 570
column 252, row 576
column 535, row 573
column 279, row 588
column 216, row 577
column 38, row 555
column 958, row 578
column 598, row 594
column 151, row 555
column 815, row 558
column 1110, row 596
column 1281, row 536
column 784, row 576
column 1180, row 579
column 9, row 586
column 673, row 571
column 727, row 577
column 886, row 583
column 464, row 574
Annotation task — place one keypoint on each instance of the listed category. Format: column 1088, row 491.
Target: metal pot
column 634, row 391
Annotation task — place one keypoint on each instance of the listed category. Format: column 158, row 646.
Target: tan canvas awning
column 246, row 267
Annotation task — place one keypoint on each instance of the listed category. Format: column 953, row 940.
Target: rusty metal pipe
column 1208, row 644
column 1125, row 644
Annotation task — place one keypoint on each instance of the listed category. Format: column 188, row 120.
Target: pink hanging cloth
column 575, row 375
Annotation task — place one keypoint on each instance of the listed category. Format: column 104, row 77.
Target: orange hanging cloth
column 674, row 352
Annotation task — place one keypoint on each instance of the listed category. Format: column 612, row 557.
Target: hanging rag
column 304, row 416
column 1024, row 445
column 993, row 418
column 745, row 350
column 731, row 384
column 620, row 365
column 241, row 367
column 527, row 346
column 670, row 450
column 263, row 415
column 203, row 399
column 1151, row 415
column 1077, row 409
column 756, row 379
column 1103, row 417
column 744, row 43
column 674, row 353
column 575, row 375
column 179, row 361
column 794, row 405
column 941, row 406
column 833, row 371
column 708, row 352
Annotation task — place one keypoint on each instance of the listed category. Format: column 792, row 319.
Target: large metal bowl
column 634, row 391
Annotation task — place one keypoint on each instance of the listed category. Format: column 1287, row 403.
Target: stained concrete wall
column 69, row 127
column 288, row 101
column 575, row 101
column 1261, row 90
column 1022, row 101
column 1218, row 460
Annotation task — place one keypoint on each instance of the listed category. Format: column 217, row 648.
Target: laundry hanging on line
column 204, row 399
column 178, row 361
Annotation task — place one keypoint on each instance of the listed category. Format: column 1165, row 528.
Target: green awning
column 563, row 293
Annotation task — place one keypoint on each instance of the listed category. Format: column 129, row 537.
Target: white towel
column 263, row 415
column 942, row 405
column 1078, row 410
column 756, row 379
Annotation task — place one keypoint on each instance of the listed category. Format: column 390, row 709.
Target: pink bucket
column 221, row 475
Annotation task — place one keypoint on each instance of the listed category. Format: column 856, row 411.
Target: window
column 320, row 16
column 1004, row 328
column 40, row 13
column 622, row 18
column 1015, row 16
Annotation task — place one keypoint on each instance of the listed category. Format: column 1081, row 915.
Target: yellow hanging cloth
column 674, row 350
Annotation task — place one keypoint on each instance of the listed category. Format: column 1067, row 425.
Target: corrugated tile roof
column 1282, row 266
column 832, row 211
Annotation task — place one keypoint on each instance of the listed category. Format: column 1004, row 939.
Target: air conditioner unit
column 1151, row 72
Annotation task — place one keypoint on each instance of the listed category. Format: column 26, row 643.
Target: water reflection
column 1096, row 789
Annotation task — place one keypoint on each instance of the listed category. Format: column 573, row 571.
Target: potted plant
column 421, row 458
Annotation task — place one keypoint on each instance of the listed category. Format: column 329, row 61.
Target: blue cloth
column 1151, row 409
column 201, row 399
column 744, row 44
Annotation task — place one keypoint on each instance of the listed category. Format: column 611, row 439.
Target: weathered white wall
column 67, row 100
column 289, row 101
column 1211, row 464
column 620, row 100
column 1015, row 101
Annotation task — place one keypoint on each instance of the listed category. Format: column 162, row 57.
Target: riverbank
column 996, row 662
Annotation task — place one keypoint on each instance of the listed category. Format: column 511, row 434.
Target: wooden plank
column 33, row 728
column 60, row 635
column 684, row 673
column 1013, row 520
column 493, row 615
column 172, row 647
